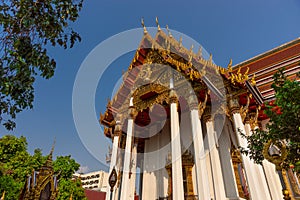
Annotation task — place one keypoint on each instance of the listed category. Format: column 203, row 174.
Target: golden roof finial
column 190, row 54
column 109, row 104
column 158, row 27
column 199, row 54
column 229, row 66
column 169, row 32
column 143, row 24
column 53, row 145
column 238, row 71
column 180, row 42
column 191, row 49
column 210, row 58
column 49, row 159
column 246, row 72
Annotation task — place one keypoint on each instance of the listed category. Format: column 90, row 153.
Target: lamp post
column 276, row 153
column 112, row 180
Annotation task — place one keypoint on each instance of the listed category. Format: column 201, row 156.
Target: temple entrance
column 187, row 166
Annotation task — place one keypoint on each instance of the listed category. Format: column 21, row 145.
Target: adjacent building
column 97, row 180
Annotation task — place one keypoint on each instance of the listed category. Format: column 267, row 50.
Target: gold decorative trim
column 253, row 118
column 244, row 109
column 207, row 117
column 278, row 159
column 132, row 113
column 202, row 105
column 234, row 105
column 173, row 98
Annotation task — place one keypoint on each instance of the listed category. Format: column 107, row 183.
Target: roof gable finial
column 169, row 32
column 229, row 66
column 191, row 49
column 158, row 27
column 143, row 24
column 210, row 58
column 49, row 159
column 180, row 42
column 199, row 54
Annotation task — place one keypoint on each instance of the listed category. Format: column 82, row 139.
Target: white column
column 248, row 164
column 113, row 162
column 219, row 189
column 272, row 175
column 177, row 180
column 273, row 180
column 200, row 164
column 133, row 173
column 113, row 159
column 260, row 179
column 127, row 154
column 230, row 183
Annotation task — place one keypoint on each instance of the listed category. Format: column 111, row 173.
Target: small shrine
column 41, row 184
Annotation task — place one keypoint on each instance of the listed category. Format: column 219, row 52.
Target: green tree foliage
column 27, row 28
column 65, row 166
column 284, row 124
column 70, row 187
column 16, row 163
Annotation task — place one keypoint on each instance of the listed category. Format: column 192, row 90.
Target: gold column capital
column 247, row 119
column 234, row 105
column 207, row 116
column 132, row 113
column 118, row 129
column 193, row 102
column 173, row 97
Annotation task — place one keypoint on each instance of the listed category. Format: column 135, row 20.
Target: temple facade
column 178, row 120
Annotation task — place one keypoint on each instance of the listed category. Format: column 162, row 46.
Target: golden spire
column 158, row 27
column 191, row 49
column 246, row 72
column 169, row 32
column 190, row 54
column 199, row 54
column 238, row 71
column 229, row 66
column 180, row 42
column 49, row 159
column 71, row 197
column 143, row 24
column 210, row 58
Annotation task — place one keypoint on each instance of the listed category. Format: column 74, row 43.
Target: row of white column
column 263, row 181
column 259, row 187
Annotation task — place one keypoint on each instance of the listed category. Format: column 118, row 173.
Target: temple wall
column 186, row 132
column 155, row 179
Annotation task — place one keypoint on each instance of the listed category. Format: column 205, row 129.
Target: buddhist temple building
column 177, row 119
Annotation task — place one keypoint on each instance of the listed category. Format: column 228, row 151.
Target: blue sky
column 236, row 29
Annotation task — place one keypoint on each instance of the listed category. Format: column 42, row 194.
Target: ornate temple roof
column 152, row 54
column 265, row 65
